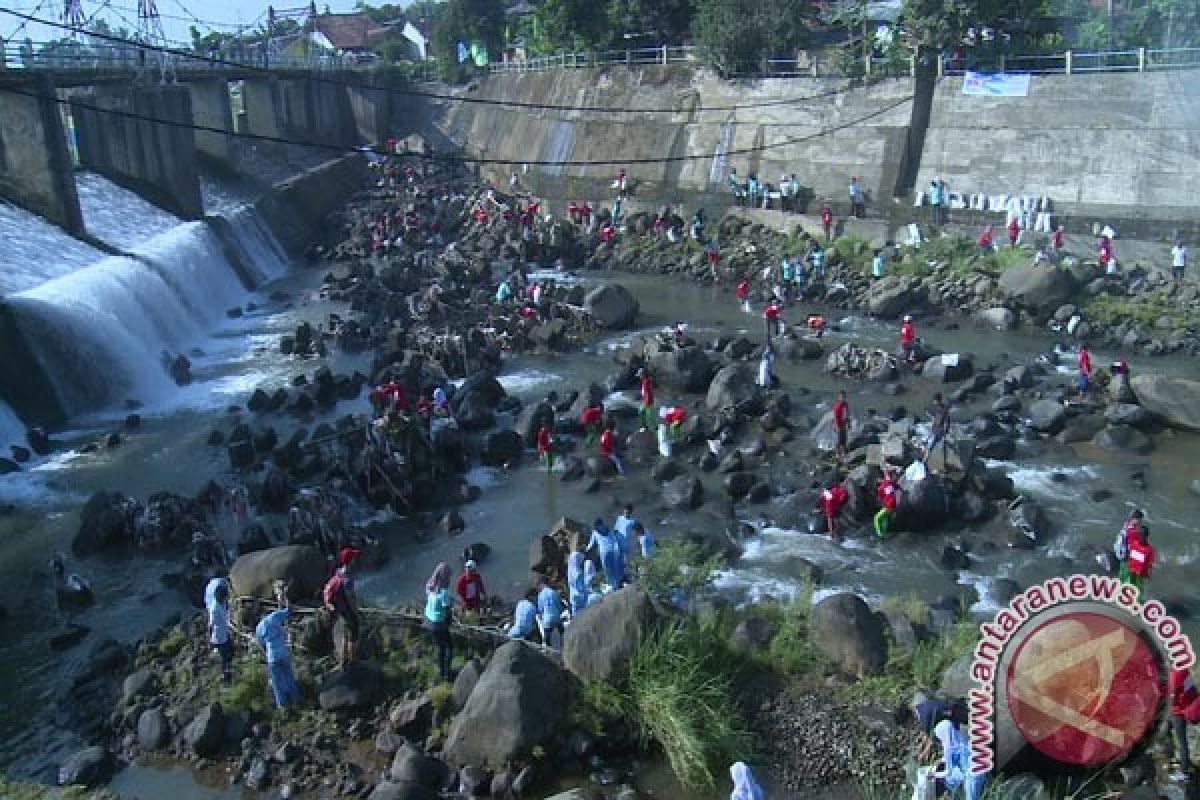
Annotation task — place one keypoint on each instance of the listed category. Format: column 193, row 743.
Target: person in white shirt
column 1179, row 254
column 218, row 630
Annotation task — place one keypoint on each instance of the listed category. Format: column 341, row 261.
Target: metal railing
column 1072, row 62
column 101, row 57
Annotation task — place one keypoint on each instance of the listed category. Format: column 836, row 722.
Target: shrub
column 249, row 690
column 677, row 567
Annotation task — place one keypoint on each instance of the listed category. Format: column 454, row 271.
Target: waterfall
column 720, row 164
column 100, row 333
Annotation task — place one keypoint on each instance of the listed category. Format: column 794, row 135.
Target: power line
column 451, row 98
column 461, row 159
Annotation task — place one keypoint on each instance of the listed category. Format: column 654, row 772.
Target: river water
column 174, row 295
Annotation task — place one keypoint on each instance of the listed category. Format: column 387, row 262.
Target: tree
column 469, row 22
column 570, row 25
column 652, row 21
column 737, row 36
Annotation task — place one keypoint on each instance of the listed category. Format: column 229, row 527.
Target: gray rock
column 138, row 685
column 519, row 703
column 90, row 766
column 402, row 791
column 1129, row 414
column 599, row 641
column 1037, row 288
column 946, row 369
column 153, row 731
column 612, row 306
column 464, row 682
column 1021, row 377
column 684, row 493
column 412, row 718
column 997, row 318
column 688, row 369
column 1123, row 439
column 845, row 631
column 956, row 678
column 732, row 387
column 303, row 567
column 355, row 686
column 753, row 634
column 893, row 295
column 1047, row 415
column 410, row 765
column 1174, row 399
column 206, row 731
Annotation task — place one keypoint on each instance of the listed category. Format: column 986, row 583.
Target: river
column 232, row 356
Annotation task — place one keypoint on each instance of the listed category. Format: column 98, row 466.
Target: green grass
column 249, row 690
column 173, row 643
column 954, row 256
column 1144, row 312
column 680, row 693
column 677, row 566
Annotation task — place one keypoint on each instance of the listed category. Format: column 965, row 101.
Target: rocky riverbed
column 302, row 478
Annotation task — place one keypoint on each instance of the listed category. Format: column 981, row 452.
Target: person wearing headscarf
column 744, row 785
column 438, row 605
column 577, row 582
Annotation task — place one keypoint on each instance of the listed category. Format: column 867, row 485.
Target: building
column 355, row 33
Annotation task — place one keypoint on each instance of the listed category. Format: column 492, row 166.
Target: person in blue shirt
column 609, row 550
column 577, row 580
column 621, row 529
column 877, row 265
column 272, row 638
column 438, row 607
column 646, row 543
column 550, row 614
column 503, row 292
column 525, row 617
column 817, row 256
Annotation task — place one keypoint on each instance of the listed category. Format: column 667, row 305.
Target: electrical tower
column 150, row 32
column 72, row 16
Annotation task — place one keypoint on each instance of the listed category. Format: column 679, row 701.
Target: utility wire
column 74, row 102
column 451, row 98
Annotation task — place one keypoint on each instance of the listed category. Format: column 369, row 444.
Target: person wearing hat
column 469, row 587
column 339, row 600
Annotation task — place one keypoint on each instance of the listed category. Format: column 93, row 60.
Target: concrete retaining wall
column 871, row 150
column 35, row 166
column 1121, row 145
column 295, row 208
column 154, row 159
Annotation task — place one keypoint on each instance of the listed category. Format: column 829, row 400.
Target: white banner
column 997, row 85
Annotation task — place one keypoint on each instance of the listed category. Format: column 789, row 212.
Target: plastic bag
column 915, row 473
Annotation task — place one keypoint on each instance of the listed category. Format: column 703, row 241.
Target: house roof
column 354, row 31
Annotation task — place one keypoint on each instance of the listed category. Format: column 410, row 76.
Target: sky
column 177, row 15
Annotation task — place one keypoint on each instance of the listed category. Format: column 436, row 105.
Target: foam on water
column 257, row 245
column 526, row 380
column 35, row 251
column 118, row 216
column 1040, row 479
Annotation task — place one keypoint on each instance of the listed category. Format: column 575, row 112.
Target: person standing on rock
column 672, row 419
column 545, row 448
column 218, row 631
column 469, row 587
column 771, row 318
column 550, row 610
column 577, row 580
column 1085, row 370
column 622, row 529
column 592, row 418
column 339, row 600
column 887, row 490
column 833, row 499
column 1014, row 231
column 827, row 221
column 766, row 374
column 908, row 340
column 608, row 448
column 742, row 292
column 272, row 638
column 1141, row 560
column 606, row 547
column 646, row 394
column 1185, row 710
column 1179, row 254
column 841, row 423
column 438, row 609
column 939, row 429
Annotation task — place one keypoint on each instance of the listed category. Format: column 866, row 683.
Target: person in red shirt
column 908, row 339
column 673, row 418
column 742, row 292
column 608, row 448
column 660, row 225
column 771, row 318
column 1056, row 238
column 1014, row 232
column 1141, row 559
column 1085, row 370
column 985, row 241
column 606, row 232
column 887, row 492
column 841, row 422
column 1105, row 252
column 573, row 211
column 585, row 212
column 827, row 221
column 544, row 447
column 646, row 394
column 469, row 587
column 833, row 498
column 592, row 418
column 1185, row 710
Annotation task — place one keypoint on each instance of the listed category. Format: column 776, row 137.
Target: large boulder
column 599, row 641
column 1047, row 415
column 303, row 567
column 90, row 766
column 1176, row 400
column 153, row 731
column 947, row 368
column 410, row 765
column 401, row 791
column 732, row 387
column 1038, row 288
column 355, row 686
column 688, row 369
column 103, row 524
column 684, row 493
column 923, row 505
column 206, row 730
column 998, row 318
column 612, row 306
column 846, row 631
column 519, row 703
column 894, row 295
